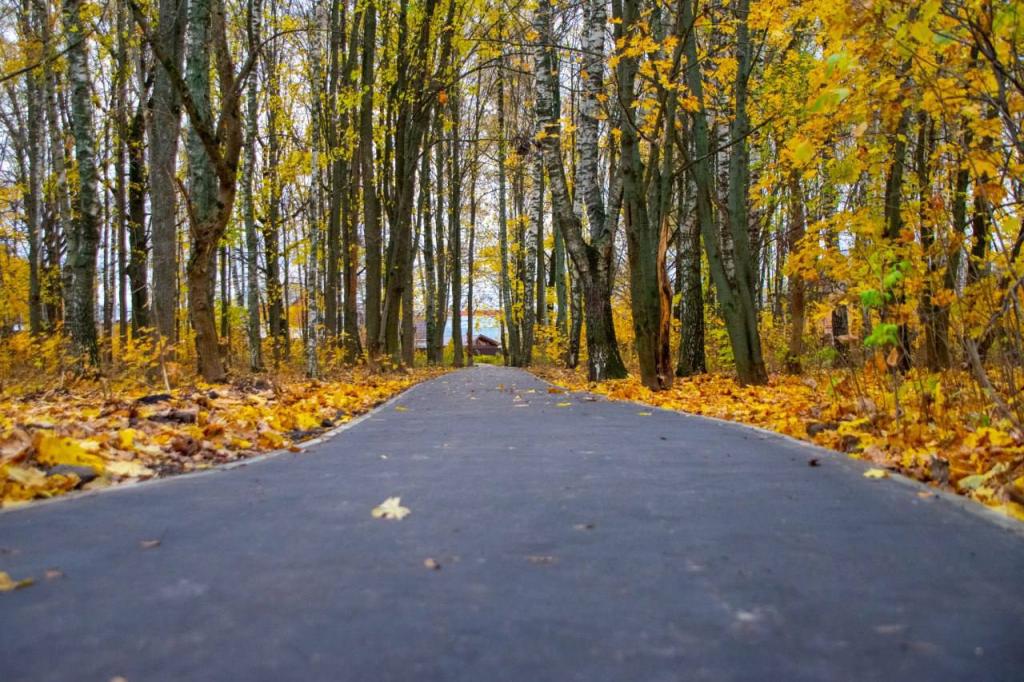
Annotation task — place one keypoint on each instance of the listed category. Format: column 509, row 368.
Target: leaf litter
column 57, row 441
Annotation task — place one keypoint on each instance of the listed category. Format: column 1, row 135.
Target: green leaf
column 882, row 335
column 872, row 299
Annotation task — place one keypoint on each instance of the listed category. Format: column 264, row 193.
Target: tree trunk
column 894, row 227
column 936, row 342
column 505, row 285
column 429, row 260
column 165, row 115
column 732, row 285
column 84, row 235
column 138, row 242
column 534, row 219
column 691, row 294
column 592, row 260
column 455, row 230
column 34, row 191
column 60, row 228
column 277, row 320
column 337, row 191
column 371, row 212
column 797, row 227
column 252, row 285
column 646, row 193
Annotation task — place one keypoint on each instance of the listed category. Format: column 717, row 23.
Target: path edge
column 303, row 446
column 978, row 509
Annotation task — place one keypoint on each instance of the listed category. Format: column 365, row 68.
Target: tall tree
column 647, row 193
column 84, row 235
column 214, row 147
column 733, row 286
column 165, row 115
column 592, row 259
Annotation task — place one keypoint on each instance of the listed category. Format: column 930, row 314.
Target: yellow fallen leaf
column 563, row 404
column 645, row 414
column 271, row 438
column 1014, row 510
column 126, row 438
column 401, row 408
column 128, row 469
column 306, row 421
column 7, row 584
column 390, row 508
column 876, row 473
column 30, row 477
column 55, row 450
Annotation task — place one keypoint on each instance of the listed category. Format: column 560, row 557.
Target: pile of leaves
column 933, row 428
column 56, row 441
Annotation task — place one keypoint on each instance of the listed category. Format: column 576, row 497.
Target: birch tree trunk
column 84, row 235
column 593, row 259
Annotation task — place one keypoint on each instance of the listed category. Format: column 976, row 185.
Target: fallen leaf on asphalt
column 555, row 390
column 563, row 404
column 7, row 584
column 813, row 462
column 876, row 473
column 149, row 544
column 645, row 414
column 432, row 564
column 401, row 408
column 53, row 574
column 390, row 508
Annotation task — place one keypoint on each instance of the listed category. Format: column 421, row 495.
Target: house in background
column 485, row 345
column 486, row 332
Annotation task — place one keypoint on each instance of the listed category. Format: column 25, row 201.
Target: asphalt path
column 550, row 537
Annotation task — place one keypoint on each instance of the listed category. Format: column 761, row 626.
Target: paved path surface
column 585, row 542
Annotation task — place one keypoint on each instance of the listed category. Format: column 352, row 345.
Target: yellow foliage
column 57, row 450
